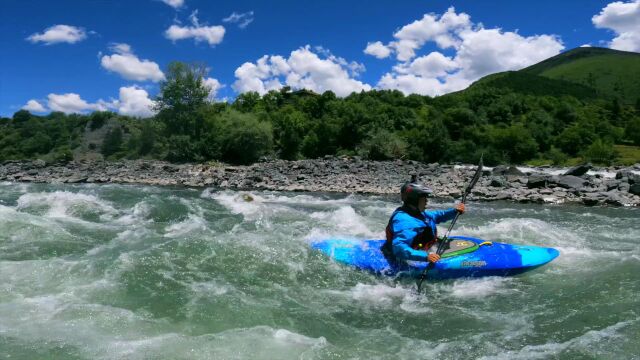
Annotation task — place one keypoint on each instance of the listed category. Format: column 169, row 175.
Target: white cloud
column 304, row 69
column 134, row 101
column 433, row 65
column 486, row 51
column 440, row 29
column 214, row 85
column 377, row 49
column 59, row 34
column 242, row 20
column 127, row 65
column 477, row 52
column 213, row 35
column 34, row 106
column 174, row 3
column 72, row 103
column 624, row 19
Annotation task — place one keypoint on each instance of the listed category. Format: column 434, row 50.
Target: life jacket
column 423, row 240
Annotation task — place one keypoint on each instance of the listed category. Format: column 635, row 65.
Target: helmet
column 411, row 192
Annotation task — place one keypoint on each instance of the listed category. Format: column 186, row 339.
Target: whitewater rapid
column 139, row 272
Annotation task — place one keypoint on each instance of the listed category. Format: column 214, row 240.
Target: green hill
column 584, row 73
column 531, row 84
column 612, row 73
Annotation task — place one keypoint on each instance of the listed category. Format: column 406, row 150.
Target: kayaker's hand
column 460, row 208
column 433, row 257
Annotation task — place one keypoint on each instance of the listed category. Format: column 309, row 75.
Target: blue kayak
column 466, row 257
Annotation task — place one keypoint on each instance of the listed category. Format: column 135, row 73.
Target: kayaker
column 411, row 230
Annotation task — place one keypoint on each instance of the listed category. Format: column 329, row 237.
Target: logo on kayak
column 473, row 263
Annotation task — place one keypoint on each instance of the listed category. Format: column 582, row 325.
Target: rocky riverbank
column 582, row 184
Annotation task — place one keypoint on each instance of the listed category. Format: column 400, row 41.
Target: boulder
column 507, row 170
column 498, row 181
column 579, row 170
column 568, row 181
column 39, row 163
column 625, row 173
column 591, row 199
column 623, row 186
column 537, row 181
column 615, row 198
column 635, row 189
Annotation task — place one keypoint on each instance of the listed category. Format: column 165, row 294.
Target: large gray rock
column 568, row 182
column 625, row 173
column 635, row 189
column 498, row 181
column 579, row 170
column 537, row 181
column 592, row 199
column 615, row 198
column 507, row 170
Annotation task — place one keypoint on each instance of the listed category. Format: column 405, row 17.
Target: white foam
column 136, row 216
column 589, row 340
column 298, row 339
column 191, row 224
column 482, row 287
column 64, row 204
column 346, row 220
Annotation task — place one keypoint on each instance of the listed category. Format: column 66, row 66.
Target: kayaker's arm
column 441, row 215
column 402, row 249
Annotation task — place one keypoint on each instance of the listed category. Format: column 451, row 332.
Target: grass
column 627, row 154
column 612, row 75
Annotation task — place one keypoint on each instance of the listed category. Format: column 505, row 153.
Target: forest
column 512, row 119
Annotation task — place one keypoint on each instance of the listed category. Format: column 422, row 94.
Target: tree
column 600, row 152
column 246, row 102
column 21, row 116
column 181, row 96
column 289, row 128
column 383, row 145
column 244, row 139
column 516, row 141
column 147, row 138
column 112, row 141
column 633, row 131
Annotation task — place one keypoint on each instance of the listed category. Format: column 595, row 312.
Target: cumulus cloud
column 73, row 103
column 125, row 63
column 214, row 86
column 477, row 52
column 134, row 101
column 242, row 20
column 304, row 69
column 34, row 106
column 213, row 35
column 377, row 49
column 59, row 34
column 624, row 20
column 174, row 3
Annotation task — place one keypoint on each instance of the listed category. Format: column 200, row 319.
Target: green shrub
column 383, row 145
column 244, row 139
column 600, row 152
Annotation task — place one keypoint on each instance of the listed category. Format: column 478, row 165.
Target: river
column 141, row 272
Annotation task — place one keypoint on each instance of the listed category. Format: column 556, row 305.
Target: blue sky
column 84, row 55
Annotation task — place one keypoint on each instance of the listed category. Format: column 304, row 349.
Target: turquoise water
column 137, row 272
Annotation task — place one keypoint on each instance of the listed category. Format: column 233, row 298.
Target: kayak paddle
column 444, row 243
